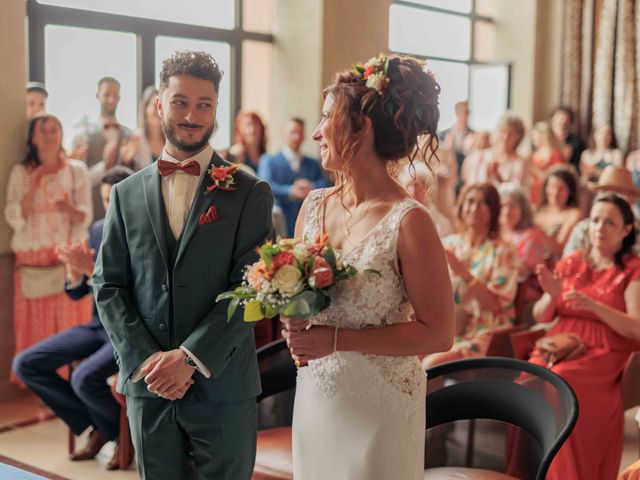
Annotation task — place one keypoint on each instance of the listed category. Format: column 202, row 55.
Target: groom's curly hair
column 197, row 64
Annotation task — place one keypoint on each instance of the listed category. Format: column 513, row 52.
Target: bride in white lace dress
column 360, row 400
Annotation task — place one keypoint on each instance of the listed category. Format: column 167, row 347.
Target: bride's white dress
column 356, row 416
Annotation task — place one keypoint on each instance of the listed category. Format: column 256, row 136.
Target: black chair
column 495, row 417
column 275, row 412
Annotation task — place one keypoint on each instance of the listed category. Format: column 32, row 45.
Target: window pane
column 256, row 78
column 206, row 13
column 485, row 42
column 221, row 52
column 454, row 5
column 427, row 33
column 75, row 59
column 454, row 84
column 488, row 95
column 256, row 15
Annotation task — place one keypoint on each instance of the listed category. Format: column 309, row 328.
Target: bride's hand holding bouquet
column 292, row 279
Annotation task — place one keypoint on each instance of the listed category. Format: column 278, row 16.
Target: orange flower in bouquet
column 292, row 278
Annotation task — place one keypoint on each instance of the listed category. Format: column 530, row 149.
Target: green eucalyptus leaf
column 268, row 311
column 226, row 295
column 231, row 308
column 330, row 257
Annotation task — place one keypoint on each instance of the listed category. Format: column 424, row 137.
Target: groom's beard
column 170, row 134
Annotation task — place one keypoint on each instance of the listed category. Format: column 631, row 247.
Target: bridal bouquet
column 291, row 278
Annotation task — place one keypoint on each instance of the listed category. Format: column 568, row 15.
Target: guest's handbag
column 558, row 347
column 41, row 282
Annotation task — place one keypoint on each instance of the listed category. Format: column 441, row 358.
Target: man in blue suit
column 291, row 175
column 86, row 400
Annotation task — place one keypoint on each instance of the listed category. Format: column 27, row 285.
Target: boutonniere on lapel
column 222, row 178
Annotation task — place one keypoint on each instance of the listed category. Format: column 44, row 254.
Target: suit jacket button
column 162, row 327
column 164, row 287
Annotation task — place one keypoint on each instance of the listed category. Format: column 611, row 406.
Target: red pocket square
column 209, row 216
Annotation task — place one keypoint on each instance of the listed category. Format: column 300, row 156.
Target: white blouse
column 47, row 227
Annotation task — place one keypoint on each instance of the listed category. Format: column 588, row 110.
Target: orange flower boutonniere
column 222, row 178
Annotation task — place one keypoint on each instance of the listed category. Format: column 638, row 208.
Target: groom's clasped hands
column 168, row 375
column 306, row 343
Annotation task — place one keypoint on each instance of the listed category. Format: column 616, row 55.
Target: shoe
column 91, row 449
column 114, row 462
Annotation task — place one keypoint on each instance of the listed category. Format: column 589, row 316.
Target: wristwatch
column 189, row 361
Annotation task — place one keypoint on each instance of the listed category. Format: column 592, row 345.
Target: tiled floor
column 44, row 444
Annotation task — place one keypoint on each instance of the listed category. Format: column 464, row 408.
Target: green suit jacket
column 147, row 305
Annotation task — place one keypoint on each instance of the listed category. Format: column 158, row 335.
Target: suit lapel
column 200, row 205
column 151, row 182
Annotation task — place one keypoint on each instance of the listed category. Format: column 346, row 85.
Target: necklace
column 348, row 226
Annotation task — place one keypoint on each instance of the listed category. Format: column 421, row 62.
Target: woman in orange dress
column 48, row 205
column 596, row 295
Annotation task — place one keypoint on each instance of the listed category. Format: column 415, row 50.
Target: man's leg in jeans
column 89, row 382
column 37, row 365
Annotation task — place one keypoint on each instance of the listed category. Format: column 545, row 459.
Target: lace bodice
column 367, row 300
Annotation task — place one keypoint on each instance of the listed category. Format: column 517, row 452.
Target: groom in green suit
column 190, row 376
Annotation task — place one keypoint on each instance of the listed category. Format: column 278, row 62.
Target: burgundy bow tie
column 190, row 167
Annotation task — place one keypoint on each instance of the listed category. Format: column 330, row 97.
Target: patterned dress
column 34, row 241
column 494, row 265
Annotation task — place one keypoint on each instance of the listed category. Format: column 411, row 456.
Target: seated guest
column 290, row 174
column 86, row 400
column 501, row 163
column 595, row 295
column 517, row 228
column 603, row 153
column 547, row 152
column 558, row 212
column 562, row 123
column 614, row 180
column 419, row 182
column 483, row 274
column 250, row 141
column 37, row 96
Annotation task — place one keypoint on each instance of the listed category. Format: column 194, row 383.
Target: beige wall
column 297, row 68
column 13, row 61
column 548, row 70
column 353, row 31
column 529, row 36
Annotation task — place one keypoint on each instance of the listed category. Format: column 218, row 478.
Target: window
column 74, row 43
column 72, row 78
column 218, row 14
column 456, row 38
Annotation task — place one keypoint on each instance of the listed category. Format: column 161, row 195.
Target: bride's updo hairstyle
column 399, row 98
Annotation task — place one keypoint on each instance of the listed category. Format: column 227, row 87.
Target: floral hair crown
column 375, row 74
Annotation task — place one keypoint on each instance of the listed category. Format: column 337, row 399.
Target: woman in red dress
column 596, row 295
